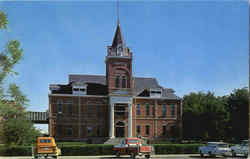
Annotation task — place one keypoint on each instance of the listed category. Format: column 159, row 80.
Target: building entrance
column 120, row 129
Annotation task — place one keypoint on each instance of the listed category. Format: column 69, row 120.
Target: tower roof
column 118, row 38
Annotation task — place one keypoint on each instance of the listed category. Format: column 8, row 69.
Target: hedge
column 15, row 151
column 176, row 148
column 87, row 150
column 99, row 149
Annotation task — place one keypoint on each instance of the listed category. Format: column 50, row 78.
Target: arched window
column 120, row 124
column 117, row 81
column 123, row 81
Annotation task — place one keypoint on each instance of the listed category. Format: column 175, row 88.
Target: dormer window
column 156, row 92
column 79, row 89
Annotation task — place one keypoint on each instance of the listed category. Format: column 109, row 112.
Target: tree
column 204, row 116
column 16, row 129
column 238, row 109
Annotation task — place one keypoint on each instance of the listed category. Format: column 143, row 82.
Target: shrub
column 15, row 151
column 176, row 148
column 99, row 149
column 87, row 150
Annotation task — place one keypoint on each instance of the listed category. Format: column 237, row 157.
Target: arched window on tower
column 123, row 81
column 117, row 81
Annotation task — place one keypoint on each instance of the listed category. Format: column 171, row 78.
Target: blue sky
column 189, row 46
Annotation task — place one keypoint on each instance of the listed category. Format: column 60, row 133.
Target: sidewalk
column 107, row 157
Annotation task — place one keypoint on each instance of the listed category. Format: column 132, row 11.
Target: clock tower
column 118, row 64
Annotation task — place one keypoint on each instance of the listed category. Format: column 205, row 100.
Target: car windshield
column 211, row 144
column 133, row 141
column 222, row 145
column 245, row 143
column 123, row 142
column 45, row 141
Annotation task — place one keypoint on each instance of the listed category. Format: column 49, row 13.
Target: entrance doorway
column 120, row 129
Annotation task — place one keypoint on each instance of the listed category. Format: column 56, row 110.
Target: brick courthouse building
column 116, row 105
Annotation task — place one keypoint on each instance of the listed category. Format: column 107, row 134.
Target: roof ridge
column 84, row 75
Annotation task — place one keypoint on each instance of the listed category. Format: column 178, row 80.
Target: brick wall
column 155, row 118
column 93, row 117
column 113, row 68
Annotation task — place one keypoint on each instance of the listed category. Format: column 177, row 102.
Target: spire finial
column 118, row 13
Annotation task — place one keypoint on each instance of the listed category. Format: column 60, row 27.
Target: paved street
column 192, row 156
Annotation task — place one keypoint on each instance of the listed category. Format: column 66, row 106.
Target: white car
column 241, row 149
column 215, row 148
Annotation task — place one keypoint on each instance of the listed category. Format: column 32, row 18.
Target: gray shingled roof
column 100, row 79
column 140, row 83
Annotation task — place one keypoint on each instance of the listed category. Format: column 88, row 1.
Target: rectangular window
column 164, row 110
column 172, row 110
column 153, row 110
column 147, row 110
column 59, row 130
column 98, row 132
column 120, row 110
column 147, row 130
column 138, row 129
column 90, row 110
column 59, row 108
column 138, row 109
column 164, row 130
column 76, row 89
column 98, row 112
column 89, row 131
column 70, row 108
column 70, row 132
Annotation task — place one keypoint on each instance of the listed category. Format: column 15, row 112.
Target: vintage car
column 215, row 148
column 45, row 147
column 241, row 149
column 132, row 147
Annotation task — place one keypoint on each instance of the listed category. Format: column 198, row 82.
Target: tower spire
column 118, row 38
column 118, row 13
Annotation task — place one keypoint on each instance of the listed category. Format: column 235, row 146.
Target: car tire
column 117, row 154
column 233, row 154
column 210, row 154
column 201, row 154
column 132, row 155
column 147, row 156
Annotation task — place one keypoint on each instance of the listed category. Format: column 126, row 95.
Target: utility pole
column 79, row 113
column 249, row 80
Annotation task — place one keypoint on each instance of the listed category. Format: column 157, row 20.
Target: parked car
column 241, row 149
column 132, row 147
column 215, row 148
column 45, row 147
